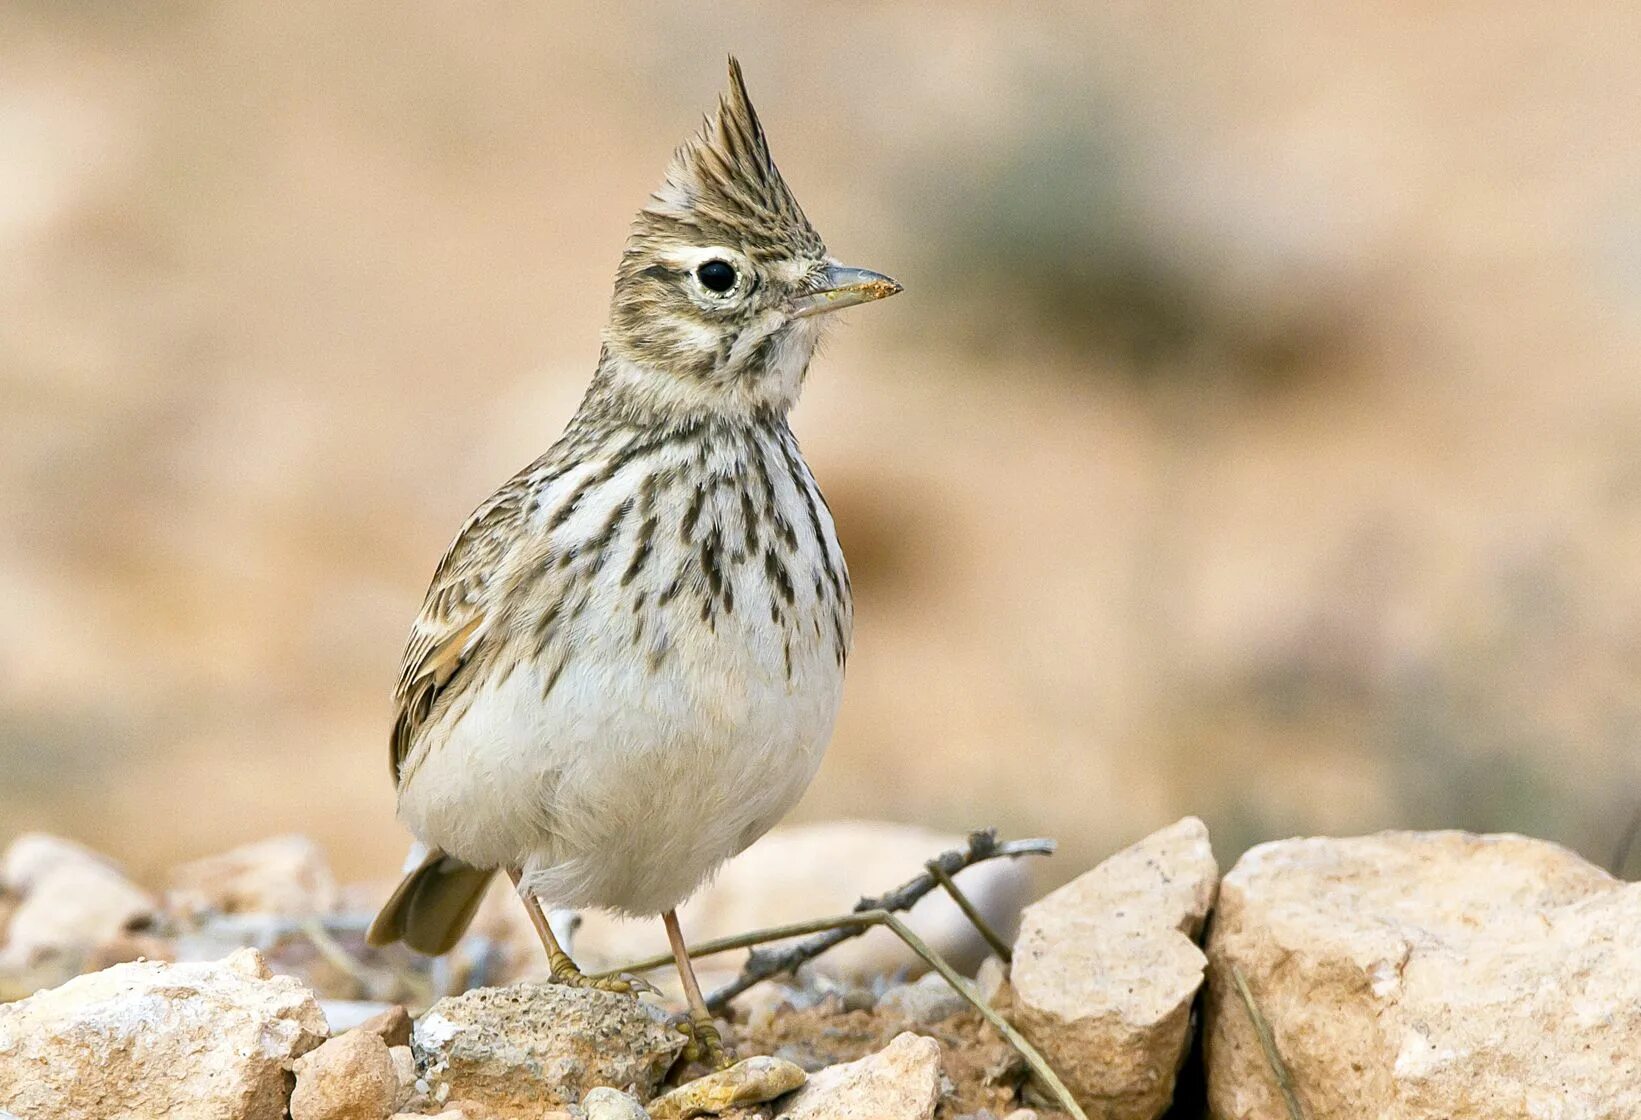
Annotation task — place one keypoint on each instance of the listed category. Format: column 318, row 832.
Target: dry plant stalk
column 823, row 933
column 1267, row 1043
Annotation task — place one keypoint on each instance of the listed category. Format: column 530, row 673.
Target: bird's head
column 724, row 283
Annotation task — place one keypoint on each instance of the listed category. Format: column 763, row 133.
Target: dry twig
column 823, row 933
column 1004, row 951
column 1267, row 1043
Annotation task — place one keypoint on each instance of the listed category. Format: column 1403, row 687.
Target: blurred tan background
column 1257, row 437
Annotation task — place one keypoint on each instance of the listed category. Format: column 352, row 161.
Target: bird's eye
column 716, row 276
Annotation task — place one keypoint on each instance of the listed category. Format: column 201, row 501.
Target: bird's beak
column 845, row 287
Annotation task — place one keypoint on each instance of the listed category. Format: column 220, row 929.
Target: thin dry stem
column 972, row 913
column 1267, row 1043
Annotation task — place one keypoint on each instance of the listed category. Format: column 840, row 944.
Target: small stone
column 349, row 1014
column 523, row 1049
column 1106, row 969
column 926, row 1002
column 990, row 979
column 34, row 855
column 188, row 1042
column 392, row 1023
column 406, row 1075
column 349, row 1077
column 1410, row 975
column 71, row 902
column 605, row 1103
column 285, row 875
column 752, row 1081
column 1022, row 1114
column 899, row 1082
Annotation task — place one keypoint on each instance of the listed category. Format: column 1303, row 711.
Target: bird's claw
column 705, row 1043
column 567, row 973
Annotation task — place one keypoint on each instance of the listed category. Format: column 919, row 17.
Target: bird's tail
column 433, row 907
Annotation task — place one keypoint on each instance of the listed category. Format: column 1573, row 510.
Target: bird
column 628, row 664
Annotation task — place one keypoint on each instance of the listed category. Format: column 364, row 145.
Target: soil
column 985, row 1072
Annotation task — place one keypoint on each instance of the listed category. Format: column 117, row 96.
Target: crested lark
column 628, row 663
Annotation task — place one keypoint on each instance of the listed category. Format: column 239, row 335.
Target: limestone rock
column 900, row 1082
column 285, row 875
column 991, row 979
column 34, row 855
column 405, row 1075
column 388, row 1020
column 816, row 870
column 925, row 1001
column 523, row 1049
column 70, row 902
column 391, row 1023
column 605, row 1103
column 1414, row 976
column 349, row 1077
column 748, row 1082
column 1106, row 968
column 207, row 1041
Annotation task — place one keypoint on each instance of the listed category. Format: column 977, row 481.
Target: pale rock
column 203, row 1041
column 523, row 1049
column 604, row 1103
column 34, row 855
column 1022, row 1114
column 349, row 1077
column 925, row 1001
column 347, row 1014
column 1415, row 976
column 405, row 1075
column 1106, row 969
column 70, row 901
column 389, row 1021
column 991, row 978
column 900, row 1082
column 819, row 870
column 284, row 875
column 747, row 1082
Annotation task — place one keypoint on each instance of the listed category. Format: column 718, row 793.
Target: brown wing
column 453, row 623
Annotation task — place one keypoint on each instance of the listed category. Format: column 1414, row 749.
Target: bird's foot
column 705, row 1044
column 567, row 972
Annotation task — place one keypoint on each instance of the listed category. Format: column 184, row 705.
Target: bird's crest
column 723, row 182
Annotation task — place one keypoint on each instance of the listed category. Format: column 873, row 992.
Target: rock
column 1106, row 969
column 34, row 855
column 392, row 1024
column 605, row 1103
column 349, row 1077
column 523, row 1049
column 1418, row 975
column 284, row 875
column 812, row 871
column 991, row 978
column 70, row 902
column 389, row 1021
column 924, row 1002
column 900, row 1082
column 204, row 1041
column 748, row 1082
column 406, row 1075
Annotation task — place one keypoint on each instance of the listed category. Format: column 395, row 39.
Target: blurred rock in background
column 1256, row 438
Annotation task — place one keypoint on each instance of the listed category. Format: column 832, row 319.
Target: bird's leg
column 565, row 971
column 705, row 1041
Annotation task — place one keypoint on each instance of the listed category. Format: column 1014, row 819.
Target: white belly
column 625, row 786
